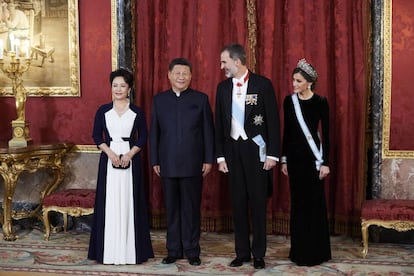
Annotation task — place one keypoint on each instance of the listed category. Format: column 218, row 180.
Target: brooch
column 251, row 99
column 258, row 120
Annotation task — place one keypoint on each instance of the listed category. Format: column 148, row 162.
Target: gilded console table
column 13, row 161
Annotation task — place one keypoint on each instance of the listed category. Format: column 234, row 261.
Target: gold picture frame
column 114, row 35
column 54, row 39
column 387, row 54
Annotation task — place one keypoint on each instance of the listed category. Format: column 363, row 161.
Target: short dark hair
column 179, row 61
column 122, row 72
column 236, row 51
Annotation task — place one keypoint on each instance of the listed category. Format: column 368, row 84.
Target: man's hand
column 284, row 169
column 157, row 170
column 222, row 167
column 206, row 168
column 269, row 164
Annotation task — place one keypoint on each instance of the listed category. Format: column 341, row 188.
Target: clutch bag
column 120, row 167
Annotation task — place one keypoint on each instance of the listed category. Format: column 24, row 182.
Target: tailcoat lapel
column 251, row 89
column 228, row 99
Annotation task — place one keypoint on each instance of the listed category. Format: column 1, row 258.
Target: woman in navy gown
column 120, row 231
column 307, row 167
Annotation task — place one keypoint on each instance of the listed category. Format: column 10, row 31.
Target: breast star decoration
column 258, row 120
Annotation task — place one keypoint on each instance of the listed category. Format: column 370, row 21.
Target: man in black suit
column 247, row 148
column 182, row 153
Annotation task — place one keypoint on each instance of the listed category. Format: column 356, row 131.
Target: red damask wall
column 402, row 86
column 61, row 119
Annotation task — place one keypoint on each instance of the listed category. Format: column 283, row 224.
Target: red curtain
column 329, row 34
column 195, row 30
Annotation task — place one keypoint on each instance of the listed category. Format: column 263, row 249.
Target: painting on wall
column 398, row 135
column 46, row 32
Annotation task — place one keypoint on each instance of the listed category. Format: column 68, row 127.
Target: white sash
column 309, row 138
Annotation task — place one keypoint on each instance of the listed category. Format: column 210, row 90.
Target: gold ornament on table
column 19, row 63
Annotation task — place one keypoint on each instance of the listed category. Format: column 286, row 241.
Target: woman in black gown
column 307, row 167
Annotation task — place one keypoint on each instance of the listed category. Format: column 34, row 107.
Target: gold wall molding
column 251, row 34
column 387, row 54
column 86, row 148
column 114, row 35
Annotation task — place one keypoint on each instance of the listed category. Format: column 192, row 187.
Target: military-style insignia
column 251, row 99
column 258, row 120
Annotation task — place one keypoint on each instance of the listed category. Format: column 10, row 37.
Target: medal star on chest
column 258, row 120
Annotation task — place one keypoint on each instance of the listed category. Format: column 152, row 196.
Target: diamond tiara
column 307, row 68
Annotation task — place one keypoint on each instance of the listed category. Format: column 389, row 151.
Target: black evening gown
column 309, row 229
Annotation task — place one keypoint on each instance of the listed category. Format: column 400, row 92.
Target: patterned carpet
column 65, row 254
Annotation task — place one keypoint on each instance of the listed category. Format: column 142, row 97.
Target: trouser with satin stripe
column 248, row 190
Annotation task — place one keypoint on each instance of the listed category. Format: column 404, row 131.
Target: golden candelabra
column 14, row 70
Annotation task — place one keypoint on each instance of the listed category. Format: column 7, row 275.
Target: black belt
column 123, row 138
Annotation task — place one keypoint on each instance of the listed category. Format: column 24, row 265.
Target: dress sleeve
column 285, row 126
column 325, row 130
column 141, row 125
column 98, row 127
column 154, row 134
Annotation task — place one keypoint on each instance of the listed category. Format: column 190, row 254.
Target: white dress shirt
column 239, row 97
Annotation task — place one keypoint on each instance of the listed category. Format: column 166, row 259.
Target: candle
column 1, row 48
column 27, row 48
column 17, row 45
column 11, row 42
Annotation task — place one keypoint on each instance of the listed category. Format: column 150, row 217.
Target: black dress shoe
column 239, row 262
column 168, row 260
column 194, row 261
column 258, row 263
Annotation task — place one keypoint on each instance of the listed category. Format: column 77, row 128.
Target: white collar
column 241, row 79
